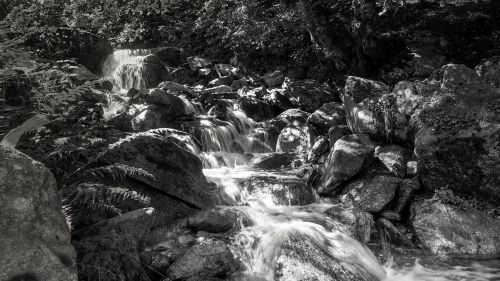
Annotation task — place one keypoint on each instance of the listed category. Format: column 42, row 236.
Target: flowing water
column 226, row 150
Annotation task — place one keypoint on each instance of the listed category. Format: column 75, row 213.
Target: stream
column 226, row 149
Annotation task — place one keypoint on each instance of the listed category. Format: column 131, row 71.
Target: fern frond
column 92, row 193
column 32, row 124
column 118, row 172
column 67, row 212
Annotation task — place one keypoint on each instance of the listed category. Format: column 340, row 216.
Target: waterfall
column 125, row 69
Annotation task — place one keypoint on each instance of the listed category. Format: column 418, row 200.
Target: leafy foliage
column 32, row 124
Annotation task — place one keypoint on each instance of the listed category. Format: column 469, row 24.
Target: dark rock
column 337, row 132
column 373, row 192
column 171, row 106
column 445, row 229
column 348, row 156
column 153, row 71
column 370, row 109
column 274, row 78
column 34, row 235
column 205, row 260
column 327, row 116
column 238, row 84
column 406, row 190
column 308, row 95
column 456, row 113
column 255, row 108
column 209, row 221
column 393, row 158
column 176, row 177
column 394, row 233
column 319, row 150
column 170, row 56
column 358, row 223
column 278, row 101
column 109, row 249
column 272, row 161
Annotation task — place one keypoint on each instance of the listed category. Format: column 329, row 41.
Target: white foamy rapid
column 124, row 68
column 226, row 148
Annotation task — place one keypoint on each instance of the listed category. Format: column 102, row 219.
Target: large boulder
column 255, row 108
column 34, row 235
column 371, row 109
column 456, row 112
column 109, row 249
column 176, row 184
column 308, row 95
column 445, row 229
column 296, row 139
column 171, row 106
column 357, row 222
column 373, row 192
column 328, row 115
column 347, row 158
column 393, row 158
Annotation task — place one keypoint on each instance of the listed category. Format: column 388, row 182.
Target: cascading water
column 125, row 69
column 226, row 148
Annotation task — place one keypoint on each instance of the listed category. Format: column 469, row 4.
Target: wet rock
column 319, row 150
column 348, row 156
column 326, row 116
column 209, row 221
column 272, row 161
column 337, row 132
column 171, row 106
column 411, row 168
column 308, row 95
column 445, row 229
column 145, row 119
column 371, row 109
column 393, row 158
column 394, row 233
column 255, row 108
column 196, row 62
column 281, row 191
column 373, row 192
column 34, row 235
column 205, row 260
column 296, row 139
column 274, row 78
column 303, row 259
column 358, row 223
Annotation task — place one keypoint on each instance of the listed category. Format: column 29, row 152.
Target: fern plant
column 84, row 190
column 35, row 123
